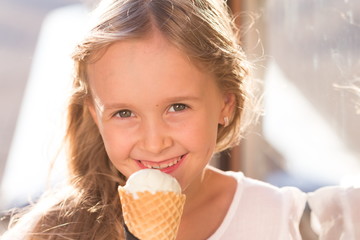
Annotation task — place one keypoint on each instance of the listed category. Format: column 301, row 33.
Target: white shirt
column 260, row 211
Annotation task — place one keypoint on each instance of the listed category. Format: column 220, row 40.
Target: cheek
column 118, row 147
column 200, row 133
column 116, row 144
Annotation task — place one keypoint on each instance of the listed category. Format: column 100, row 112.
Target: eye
column 178, row 107
column 124, row 113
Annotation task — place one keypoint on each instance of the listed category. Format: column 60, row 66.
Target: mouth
column 164, row 166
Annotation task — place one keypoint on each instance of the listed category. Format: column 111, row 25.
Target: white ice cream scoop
column 151, row 180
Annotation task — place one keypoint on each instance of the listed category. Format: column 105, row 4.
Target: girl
column 160, row 84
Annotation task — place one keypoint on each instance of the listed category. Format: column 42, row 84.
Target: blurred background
column 21, row 22
column 306, row 55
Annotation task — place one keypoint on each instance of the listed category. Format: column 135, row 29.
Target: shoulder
column 67, row 214
column 265, row 192
column 260, row 203
column 277, row 210
column 27, row 219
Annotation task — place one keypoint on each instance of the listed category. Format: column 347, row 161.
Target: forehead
column 150, row 63
column 152, row 43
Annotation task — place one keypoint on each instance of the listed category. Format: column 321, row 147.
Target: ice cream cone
column 152, row 216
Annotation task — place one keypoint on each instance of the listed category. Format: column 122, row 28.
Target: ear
column 228, row 107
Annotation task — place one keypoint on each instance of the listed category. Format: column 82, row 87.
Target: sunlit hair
column 202, row 29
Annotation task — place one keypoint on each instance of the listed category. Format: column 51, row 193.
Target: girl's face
column 155, row 109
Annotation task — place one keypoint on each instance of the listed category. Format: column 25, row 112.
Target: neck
column 198, row 191
column 196, row 187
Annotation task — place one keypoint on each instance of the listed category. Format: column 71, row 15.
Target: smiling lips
column 167, row 164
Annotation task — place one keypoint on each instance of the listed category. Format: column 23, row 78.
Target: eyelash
column 126, row 113
column 177, row 105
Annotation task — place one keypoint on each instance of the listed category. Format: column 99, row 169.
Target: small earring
column 226, row 121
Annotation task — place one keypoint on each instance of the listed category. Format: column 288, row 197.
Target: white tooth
column 161, row 166
column 173, row 163
column 148, row 166
column 164, row 165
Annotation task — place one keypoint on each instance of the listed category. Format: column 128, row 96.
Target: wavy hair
column 204, row 30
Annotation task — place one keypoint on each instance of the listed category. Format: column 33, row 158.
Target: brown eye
column 177, row 107
column 124, row 113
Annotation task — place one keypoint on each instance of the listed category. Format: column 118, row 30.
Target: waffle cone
column 152, row 216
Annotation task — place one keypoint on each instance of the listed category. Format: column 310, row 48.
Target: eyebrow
column 176, row 99
column 182, row 98
column 116, row 106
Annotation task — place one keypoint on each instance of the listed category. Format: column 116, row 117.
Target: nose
column 155, row 136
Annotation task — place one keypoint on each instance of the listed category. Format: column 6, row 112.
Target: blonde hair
column 204, row 30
